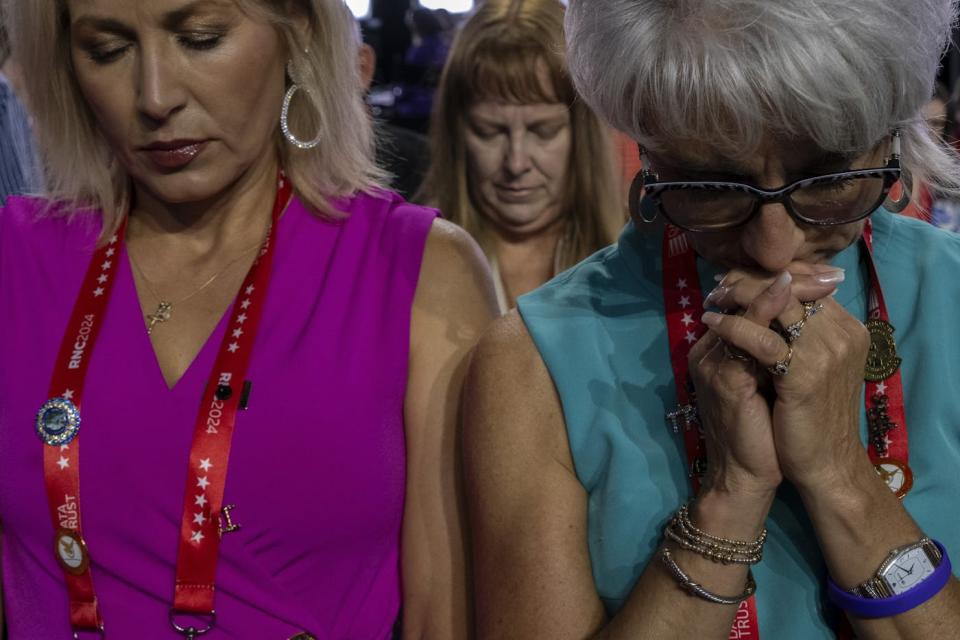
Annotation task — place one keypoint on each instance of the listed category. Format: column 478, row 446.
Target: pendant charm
column 226, row 523
column 162, row 314
column 698, row 468
column 882, row 359
column 686, row 413
column 58, row 422
column 879, row 423
column 71, row 551
column 897, row 475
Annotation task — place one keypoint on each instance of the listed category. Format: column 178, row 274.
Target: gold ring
column 733, row 353
column 782, row 367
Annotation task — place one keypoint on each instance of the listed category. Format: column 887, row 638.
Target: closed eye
column 105, row 54
column 201, row 42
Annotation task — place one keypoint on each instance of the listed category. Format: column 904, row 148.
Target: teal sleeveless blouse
column 601, row 331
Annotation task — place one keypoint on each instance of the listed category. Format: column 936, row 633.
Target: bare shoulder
column 511, row 401
column 452, row 253
column 455, row 288
column 507, row 348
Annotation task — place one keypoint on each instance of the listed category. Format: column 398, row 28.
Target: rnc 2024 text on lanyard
column 58, row 424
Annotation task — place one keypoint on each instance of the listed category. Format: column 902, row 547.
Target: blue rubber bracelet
column 894, row 605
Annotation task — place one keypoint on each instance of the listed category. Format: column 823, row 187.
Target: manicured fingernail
column 830, row 277
column 711, row 319
column 715, row 295
column 825, row 268
column 781, row 283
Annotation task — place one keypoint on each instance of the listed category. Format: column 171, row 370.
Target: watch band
column 877, row 586
column 894, row 605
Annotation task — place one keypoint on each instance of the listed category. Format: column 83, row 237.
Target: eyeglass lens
column 822, row 201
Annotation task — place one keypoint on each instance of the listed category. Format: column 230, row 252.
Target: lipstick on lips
column 174, row 154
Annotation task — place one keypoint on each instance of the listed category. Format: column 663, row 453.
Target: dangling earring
column 285, row 114
column 906, row 180
column 642, row 208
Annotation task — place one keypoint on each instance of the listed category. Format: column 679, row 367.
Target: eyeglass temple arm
column 649, row 175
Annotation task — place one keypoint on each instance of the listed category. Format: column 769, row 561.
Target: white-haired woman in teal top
column 787, row 464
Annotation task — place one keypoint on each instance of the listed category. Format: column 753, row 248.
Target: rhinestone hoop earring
column 285, row 114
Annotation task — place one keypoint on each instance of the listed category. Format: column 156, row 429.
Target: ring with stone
column 792, row 331
column 782, row 367
column 811, row 308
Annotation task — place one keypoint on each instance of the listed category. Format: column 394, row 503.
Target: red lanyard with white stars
column 884, row 388
column 58, row 423
column 683, row 304
column 888, row 445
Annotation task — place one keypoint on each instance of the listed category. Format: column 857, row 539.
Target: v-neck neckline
column 129, row 305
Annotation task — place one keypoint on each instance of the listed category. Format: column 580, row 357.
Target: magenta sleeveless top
column 317, row 468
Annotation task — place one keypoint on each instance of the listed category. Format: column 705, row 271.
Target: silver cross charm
column 685, row 412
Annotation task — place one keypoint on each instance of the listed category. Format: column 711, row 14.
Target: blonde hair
column 80, row 168
column 501, row 53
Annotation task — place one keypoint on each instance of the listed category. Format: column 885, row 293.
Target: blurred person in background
column 516, row 158
column 944, row 209
column 19, row 164
column 921, row 201
column 423, row 64
column 935, row 111
column 260, row 348
column 403, row 153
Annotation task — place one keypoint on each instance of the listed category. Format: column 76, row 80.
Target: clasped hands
column 760, row 428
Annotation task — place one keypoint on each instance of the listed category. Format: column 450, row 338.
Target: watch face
column 907, row 570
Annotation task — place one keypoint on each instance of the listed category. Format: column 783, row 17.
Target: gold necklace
column 164, row 310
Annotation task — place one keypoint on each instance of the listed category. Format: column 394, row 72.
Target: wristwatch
column 903, row 569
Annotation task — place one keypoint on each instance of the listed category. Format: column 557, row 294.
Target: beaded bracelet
column 682, row 531
column 696, row 589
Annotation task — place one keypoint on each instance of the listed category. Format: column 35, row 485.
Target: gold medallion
column 71, row 551
column 897, row 475
column 882, row 359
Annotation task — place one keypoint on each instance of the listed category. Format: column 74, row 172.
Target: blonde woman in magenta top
column 215, row 257
column 516, row 158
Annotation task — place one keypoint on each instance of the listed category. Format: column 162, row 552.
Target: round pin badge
column 71, row 552
column 882, row 358
column 896, row 474
column 58, row 422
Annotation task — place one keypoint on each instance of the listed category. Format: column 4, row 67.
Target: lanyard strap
column 886, row 416
column 888, row 447
column 213, row 434
column 58, row 423
column 683, row 304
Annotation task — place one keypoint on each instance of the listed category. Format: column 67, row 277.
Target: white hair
column 841, row 73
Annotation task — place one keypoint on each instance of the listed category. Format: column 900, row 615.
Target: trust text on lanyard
column 58, row 423
column 887, row 448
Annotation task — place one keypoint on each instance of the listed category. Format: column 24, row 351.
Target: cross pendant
column 162, row 314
